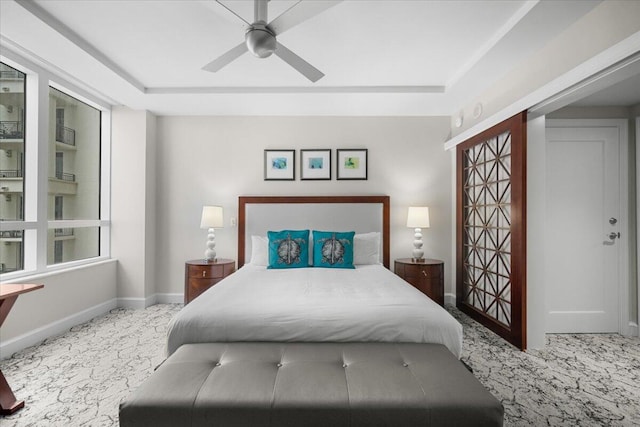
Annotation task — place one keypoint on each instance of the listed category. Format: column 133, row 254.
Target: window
column 12, row 148
column 74, row 178
column 60, row 217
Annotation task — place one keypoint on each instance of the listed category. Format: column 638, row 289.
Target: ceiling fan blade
column 226, row 58
column 302, row 66
column 300, row 12
column 220, row 9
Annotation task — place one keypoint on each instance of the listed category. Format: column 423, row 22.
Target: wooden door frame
column 517, row 333
column 626, row 326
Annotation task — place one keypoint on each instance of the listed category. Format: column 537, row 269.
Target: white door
column 582, row 220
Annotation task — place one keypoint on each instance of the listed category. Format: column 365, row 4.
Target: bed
column 352, row 347
column 364, row 304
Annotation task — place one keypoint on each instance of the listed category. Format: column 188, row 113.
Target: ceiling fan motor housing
column 261, row 41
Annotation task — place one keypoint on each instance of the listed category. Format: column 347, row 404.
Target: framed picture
column 352, row 164
column 279, row 165
column 315, row 164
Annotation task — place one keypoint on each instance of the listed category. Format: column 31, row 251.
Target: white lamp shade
column 211, row 217
column 418, row 217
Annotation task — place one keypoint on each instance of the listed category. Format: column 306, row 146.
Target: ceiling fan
column 260, row 36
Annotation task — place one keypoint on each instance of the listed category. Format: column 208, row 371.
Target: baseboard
column 633, row 330
column 58, row 327
column 137, row 303
column 142, row 303
column 169, row 298
column 450, row 299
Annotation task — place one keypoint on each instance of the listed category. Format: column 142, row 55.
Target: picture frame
column 279, row 165
column 352, row 164
column 315, row 165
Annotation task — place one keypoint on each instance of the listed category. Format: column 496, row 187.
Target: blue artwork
column 279, row 163
column 316, row 163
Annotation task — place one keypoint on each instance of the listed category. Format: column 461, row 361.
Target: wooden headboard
column 347, row 209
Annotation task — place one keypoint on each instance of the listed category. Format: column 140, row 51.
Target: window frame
column 35, row 221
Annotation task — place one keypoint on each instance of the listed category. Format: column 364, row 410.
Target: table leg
column 8, row 402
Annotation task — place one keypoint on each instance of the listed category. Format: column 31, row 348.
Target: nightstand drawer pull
column 424, row 273
column 204, row 273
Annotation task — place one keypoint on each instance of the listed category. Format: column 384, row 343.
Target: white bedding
column 369, row 303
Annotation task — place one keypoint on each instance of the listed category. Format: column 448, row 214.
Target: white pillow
column 259, row 250
column 366, row 248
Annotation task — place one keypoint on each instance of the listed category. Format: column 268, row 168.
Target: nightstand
column 426, row 276
column 200, row 275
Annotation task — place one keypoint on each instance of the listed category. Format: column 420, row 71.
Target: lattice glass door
column 491, row 233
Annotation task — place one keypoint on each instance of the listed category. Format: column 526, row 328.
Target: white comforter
column 369, row 303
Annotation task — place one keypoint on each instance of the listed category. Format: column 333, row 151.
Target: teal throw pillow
column 288, row 248
column 333, row 249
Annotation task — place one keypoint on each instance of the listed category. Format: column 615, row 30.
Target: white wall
column 607, row 25
column 213, row 160
column 132, row 205
column 68, row 298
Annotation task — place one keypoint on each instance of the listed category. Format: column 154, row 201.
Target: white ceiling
column 379, row 57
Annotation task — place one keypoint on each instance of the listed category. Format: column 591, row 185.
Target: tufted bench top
column 311, row 384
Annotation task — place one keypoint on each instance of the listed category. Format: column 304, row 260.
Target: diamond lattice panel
column 487, row 222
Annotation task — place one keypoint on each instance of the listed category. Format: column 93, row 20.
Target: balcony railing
column 11, row 129
column 13, row 234
column 11, row 74
column 66, row 176
column 62, row 232
column 11, row 174
column 66, row 135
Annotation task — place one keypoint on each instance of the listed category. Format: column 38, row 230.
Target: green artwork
column 352, row 163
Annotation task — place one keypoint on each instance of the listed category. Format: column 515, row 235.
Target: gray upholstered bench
column 311, row 384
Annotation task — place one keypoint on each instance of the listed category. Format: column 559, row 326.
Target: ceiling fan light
column 260, row 41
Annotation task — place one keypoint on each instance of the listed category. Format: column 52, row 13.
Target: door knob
column 613, row 221
column 613, row 235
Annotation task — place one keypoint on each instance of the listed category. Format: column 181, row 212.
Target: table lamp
column 211, row 218
column 418, row 218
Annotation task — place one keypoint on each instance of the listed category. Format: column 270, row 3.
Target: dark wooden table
column 8, row 296
column 427, row 275
column 200, row 275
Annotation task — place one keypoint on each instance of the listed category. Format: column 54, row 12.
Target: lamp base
column 417, row 259
column 210, row 253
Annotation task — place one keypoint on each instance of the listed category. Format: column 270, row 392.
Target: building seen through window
column 74, row 177
column 12, row 152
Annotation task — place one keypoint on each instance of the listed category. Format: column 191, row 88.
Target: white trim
column 536, row 233
column 634, row 325
column 292, row 89
column 25, row 276
column 618, row 72
column 74, row 38
column 634, row 330
column 137, row 303
column 490, row 44
column 170, row 298
column 453, row 268
column 450, row 299
column 623, row 264
column 592, row 66
column 142, row 303
column 36, row 336
column 16, row 56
